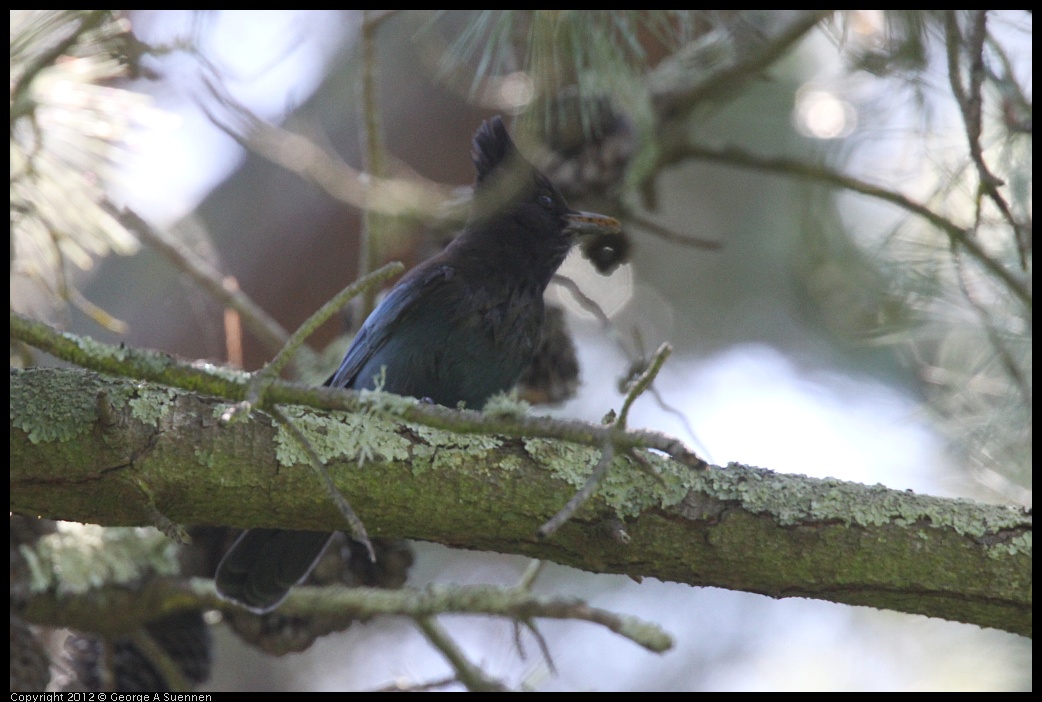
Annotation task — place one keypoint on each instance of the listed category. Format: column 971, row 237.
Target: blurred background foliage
column 828, row 214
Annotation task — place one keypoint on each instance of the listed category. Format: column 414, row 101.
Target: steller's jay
column 460, row 327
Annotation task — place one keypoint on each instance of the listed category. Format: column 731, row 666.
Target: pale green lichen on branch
column 80, row 557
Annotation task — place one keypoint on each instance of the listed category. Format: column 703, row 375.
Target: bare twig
column 544, row 648
column 137, row 607
column 257, row 320
column 672, row 104
column 262, row 379
column 391, row 196
column 668, row 234
column 100, row 316
column 956, row 234
column 468, row 674
column 358, row 532
column 402, row 686
column 584, row 300
column 1016, row 104
column 162, row 661
column 591, row 306
column 532, row 572
column 643, row 381
column 970, row 100
column 456, row 599
column 608, row 447
column 370, row 281
column 373, row 226
column 584, row 494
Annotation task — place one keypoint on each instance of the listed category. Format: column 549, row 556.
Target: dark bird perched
column 458, row 328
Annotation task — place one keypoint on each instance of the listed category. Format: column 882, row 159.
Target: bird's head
column 513, row 200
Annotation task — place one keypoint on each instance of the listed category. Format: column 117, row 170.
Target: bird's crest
column 493, row 148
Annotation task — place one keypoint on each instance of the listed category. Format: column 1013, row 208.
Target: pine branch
column 736, row 527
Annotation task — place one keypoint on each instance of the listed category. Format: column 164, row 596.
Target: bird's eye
column 546, row 201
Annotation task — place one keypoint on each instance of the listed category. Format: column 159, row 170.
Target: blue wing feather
column 434, row 336
column 411, row 291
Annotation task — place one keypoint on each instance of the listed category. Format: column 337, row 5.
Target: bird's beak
column 587, row 224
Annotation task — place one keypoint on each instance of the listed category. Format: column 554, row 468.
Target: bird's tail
column 263, row 564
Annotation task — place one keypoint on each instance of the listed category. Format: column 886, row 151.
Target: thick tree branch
column 233, row 386
column 735, row 527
